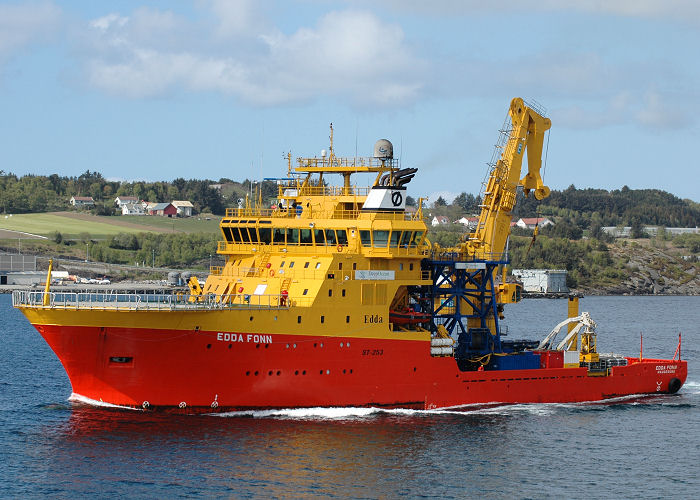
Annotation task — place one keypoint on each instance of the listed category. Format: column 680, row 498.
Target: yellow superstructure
column 338, row 256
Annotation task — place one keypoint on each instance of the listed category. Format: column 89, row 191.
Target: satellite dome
column 383, row 149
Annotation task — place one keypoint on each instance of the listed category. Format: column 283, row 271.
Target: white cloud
column 350, row 53
column 24, row 24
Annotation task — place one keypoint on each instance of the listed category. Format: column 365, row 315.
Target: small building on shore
column 542, row 280
column 184, row 208
column 163, row 209
column 133, row 209
column 82, row 201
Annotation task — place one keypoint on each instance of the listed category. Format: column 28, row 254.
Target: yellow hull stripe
column 263, row 321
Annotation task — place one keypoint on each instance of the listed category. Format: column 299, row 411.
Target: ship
column 334, row 296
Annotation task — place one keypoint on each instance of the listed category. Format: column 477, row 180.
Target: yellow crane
column 526, row 133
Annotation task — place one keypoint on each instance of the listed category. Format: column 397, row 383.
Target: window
column 278, row 236
column 330, row 292
column 319, row 237
column 291, row 264
column 305, row 237
column 227, row 234
column 323, row 318
column 298, row 319
column 343, row 292
column 417, row 237
column 292, row 236
column 253, row 235
column 318, row 264
column 282, row 264
column 410, row 266
column 330, row 237
column 365, row 238
column 342, row 237
column 347, row 319
column 306, row 265
column 306, row 290
column 265, row 235
column 381, row 239
column 245, row 236
column 395, row 237
column 405, row 239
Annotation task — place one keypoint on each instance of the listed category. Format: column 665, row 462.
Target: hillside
column 636, row 267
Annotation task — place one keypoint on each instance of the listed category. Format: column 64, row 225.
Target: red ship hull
column 212, row 371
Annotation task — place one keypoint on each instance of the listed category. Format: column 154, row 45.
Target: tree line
column 38, row 193
column 159, row 249
column 577, row 210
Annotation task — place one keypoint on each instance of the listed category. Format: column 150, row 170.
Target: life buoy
column 272, row 273
column 340, row 248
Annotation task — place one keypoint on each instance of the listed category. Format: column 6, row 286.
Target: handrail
column 133, row 301
column 306, row 213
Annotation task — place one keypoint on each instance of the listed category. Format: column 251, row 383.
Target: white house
column 542, row 280
column 133, row 209
column 184, row 208
column 440, row 219
column 531, row 222
column 470, row 222
column 126, row 200
column 82, row 201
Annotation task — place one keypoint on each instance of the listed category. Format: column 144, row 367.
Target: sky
column 155, row 90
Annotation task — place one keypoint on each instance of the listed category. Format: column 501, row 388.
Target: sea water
column 632, row 447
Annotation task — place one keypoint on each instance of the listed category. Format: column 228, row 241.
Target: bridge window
column 365, row 238
column 381, row 239
column 253, row 235
column 227, row 234
column 417, row 237
column 330, row 237
column 292, row 236
column 342, row 237
column 278, row 236
column 395, row 237
column 319, row 236
column 305, row 237
column 245, row 236
column 265, row 234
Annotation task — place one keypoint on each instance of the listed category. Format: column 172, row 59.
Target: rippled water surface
column 648, row 448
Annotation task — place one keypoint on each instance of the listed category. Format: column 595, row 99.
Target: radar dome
column 383, row 149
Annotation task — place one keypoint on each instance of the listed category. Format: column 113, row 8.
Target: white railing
column 144, row 301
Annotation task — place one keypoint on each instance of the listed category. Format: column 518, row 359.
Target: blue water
column 648, row 448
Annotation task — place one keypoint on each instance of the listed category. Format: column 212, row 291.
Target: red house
column 163, row 209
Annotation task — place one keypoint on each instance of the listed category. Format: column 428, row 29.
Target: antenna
column 357, row 126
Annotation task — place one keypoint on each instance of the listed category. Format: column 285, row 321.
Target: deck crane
column 466, row 301
column 488, row 240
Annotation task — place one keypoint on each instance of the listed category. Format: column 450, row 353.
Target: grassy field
column 71, row 225
column 196, row 224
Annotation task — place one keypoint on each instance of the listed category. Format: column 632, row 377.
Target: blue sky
column 212, row 88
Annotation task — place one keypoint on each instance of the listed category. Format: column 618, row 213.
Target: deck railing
column 137, row 301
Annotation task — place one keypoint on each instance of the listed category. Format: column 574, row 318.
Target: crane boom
column 527, row 133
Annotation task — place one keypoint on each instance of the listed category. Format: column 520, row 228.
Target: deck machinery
column 466, row 297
